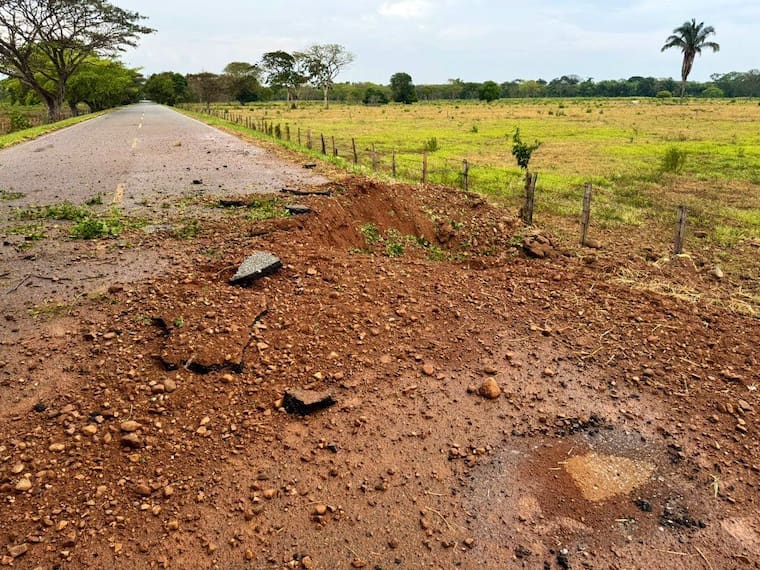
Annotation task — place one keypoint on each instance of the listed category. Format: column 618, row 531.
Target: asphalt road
column 139, row 154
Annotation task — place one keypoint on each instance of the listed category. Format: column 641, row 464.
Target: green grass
column 62, row 211
column 644, row 159
column 34, row 132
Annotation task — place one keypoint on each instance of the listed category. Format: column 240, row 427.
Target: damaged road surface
column 410, row 389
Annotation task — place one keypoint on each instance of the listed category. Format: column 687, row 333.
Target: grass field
column 621, row 146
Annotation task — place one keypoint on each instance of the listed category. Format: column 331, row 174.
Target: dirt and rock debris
column 494, row 401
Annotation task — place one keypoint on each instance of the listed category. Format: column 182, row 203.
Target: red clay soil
column 493, row 410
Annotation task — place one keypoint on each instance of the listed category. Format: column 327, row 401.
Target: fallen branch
column 19, row 284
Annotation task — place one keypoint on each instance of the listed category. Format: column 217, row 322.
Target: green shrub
column 63, row 211
column 431, row 145
column 19, row 121
column 674, row 160
column 522, row 151
column 664, row 94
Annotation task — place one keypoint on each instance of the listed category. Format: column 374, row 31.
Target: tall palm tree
column 690, row 37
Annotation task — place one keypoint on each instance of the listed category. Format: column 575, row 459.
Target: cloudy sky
column 435, row 40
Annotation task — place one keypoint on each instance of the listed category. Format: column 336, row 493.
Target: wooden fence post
column 324, row 148
column 334, row 148
column 424, row 167
column 393, row 164
column 374, row 158
column 308, row 139
column 465, row 175
column 299, row 136
column 680, row 230
column 287, row 132
column 526, row 214
column 586, row 215
column 353, row 147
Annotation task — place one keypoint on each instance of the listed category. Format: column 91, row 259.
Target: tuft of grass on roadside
column 24, row 135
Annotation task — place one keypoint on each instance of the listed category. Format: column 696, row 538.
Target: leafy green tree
column 206, row 87
column 167, row 88
column 374, row 96
column 44, row 42
column 325, row 62
column 102, row 84
column 243, row 80
column 490, row 91
column 286, row 71
column 402, row 88
column 691, row 38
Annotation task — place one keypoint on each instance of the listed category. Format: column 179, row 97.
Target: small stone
column 469, row 542
column 428, row 369
column 307, row 562
column 172, row 524
column 132, row 440
column 23, row 485
column 305, row 402
column 90, row 429
column 170, row 385
column 718, row 273
column 490, row 369
column 101, row 490
column 549, row 373
column 129, row 426
column 109, row 335
column 593, row 244
column 393, row 544
column 248, row 554
column 18, row 468
column 18, row 550
column 228, row 378
column 744, row 405
column 57, row 447
column 320, row 510
column 269, row 493
column 490, row 389
column 143, row 490
column 358, row 563
column 168, row 491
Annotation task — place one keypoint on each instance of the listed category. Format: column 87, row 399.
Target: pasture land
column 643, row 157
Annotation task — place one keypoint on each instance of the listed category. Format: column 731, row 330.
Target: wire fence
column 415, row 165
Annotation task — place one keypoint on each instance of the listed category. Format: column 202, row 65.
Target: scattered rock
column 718, row 273
column 23, row 485
column 297, row 209
column 170, row 385
column 18, row 550
column 57, row 447
column 428, row 369
column 129, row 426
column 258, row 265
column 143, row 490
column 701, row 234
column 593, row 244
column 90, row 429
column 490, row 389
column 132, row 440
column 538, row 246
column 305, row 402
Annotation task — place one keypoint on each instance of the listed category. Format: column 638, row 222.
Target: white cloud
column 407, row 9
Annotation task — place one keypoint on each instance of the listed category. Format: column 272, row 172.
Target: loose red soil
column 146, row 422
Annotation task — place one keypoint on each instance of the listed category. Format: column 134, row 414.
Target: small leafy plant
column 674, row 160
column 521, row 150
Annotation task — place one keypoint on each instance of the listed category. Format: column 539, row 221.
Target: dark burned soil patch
column 162, row 441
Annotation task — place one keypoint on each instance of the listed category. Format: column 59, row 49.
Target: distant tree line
column 267, row 83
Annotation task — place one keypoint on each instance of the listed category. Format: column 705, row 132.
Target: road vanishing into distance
column 138, row 155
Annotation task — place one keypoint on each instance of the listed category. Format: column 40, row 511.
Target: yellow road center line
column 118, row 195
column 134, row 143
column 139, row 126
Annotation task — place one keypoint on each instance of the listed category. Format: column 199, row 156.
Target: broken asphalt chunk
column 305, row 402
column 260, row 264
column 297, row 209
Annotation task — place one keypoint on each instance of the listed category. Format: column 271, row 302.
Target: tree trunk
column 325, row 89
column 74, row 110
